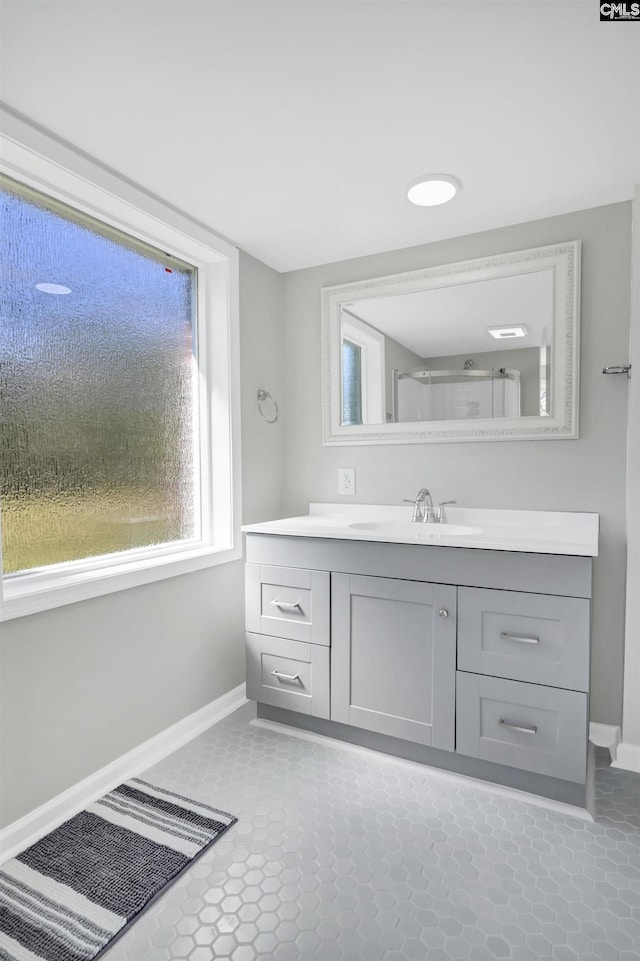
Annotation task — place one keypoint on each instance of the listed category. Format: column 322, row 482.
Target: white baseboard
column 28, row 829
column 605, row 735
column 627, row 757
column 623, row 754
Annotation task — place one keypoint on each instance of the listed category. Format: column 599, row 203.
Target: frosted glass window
column 351, row 383
column 98, row 434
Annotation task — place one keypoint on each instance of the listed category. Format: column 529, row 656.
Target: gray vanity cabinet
column 473, row 660
column 393, row 657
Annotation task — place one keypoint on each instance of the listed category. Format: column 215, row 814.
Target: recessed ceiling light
column 500, row 332
column 53, row 289
column 433, row 189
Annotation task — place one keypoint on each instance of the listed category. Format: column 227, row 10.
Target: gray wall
column 578, row 475
column 83, row 684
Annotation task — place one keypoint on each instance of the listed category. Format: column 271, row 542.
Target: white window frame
column 38, row 160
column 371, row 344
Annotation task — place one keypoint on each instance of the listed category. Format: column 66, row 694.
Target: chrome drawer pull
column 517, row 727
column 519, row 637
column 287, row 605
column 286, row 677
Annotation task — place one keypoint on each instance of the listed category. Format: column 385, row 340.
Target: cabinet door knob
column 443, row 612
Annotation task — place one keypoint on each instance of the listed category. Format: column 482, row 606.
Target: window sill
column 31, row 593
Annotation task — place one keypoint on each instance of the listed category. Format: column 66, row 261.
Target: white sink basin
column 418, row 531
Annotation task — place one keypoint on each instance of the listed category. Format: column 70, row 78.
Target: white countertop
column 537, row 532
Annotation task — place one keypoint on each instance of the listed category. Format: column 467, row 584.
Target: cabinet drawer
column 289, row 674
column 526, row 637
column 288, row 602
column 540, row 729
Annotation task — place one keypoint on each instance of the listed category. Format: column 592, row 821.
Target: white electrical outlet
column 346, row 480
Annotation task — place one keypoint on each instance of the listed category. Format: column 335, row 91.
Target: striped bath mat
column 69, row 895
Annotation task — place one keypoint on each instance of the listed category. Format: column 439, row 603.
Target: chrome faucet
column 422, row 507
column 423, row 510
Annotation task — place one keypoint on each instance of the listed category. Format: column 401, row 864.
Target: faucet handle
column 441, row 517
column 417, row 512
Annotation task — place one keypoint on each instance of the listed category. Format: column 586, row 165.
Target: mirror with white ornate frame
column 415, row 358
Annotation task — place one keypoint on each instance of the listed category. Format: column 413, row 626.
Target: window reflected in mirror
column 351, row 383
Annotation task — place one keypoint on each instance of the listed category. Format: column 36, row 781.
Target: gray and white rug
column 69, row 895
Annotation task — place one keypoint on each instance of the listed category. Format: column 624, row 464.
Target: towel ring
column 264, row 395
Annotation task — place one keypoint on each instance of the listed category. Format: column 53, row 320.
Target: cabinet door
column 393, row 657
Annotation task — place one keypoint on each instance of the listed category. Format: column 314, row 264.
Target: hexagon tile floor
column 346, row 856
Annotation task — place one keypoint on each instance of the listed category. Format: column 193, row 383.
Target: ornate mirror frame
column 564, row 262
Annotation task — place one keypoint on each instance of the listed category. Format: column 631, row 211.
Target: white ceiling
column 453, row 320
column 292, row 127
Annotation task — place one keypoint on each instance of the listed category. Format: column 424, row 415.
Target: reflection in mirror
column 441, row 354
column 479, row 350
column 363, row 387
column 351, row 382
